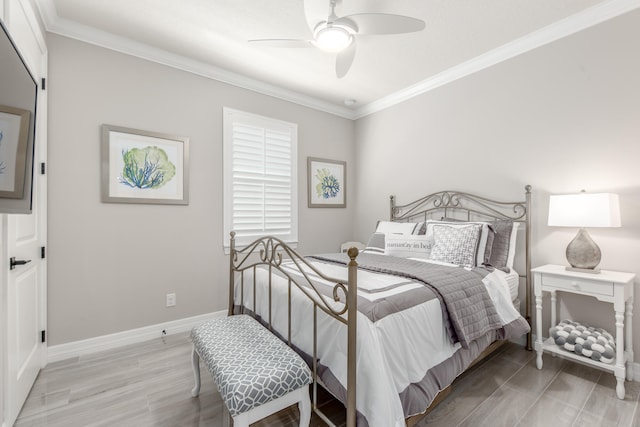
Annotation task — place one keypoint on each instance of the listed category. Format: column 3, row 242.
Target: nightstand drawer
column 578, row 285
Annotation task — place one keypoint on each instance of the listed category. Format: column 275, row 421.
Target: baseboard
column 59, row 352
column 106, row 342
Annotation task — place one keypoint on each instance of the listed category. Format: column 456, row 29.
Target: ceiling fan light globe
column 333, row 39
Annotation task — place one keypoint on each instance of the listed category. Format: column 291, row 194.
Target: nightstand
column 608, row 286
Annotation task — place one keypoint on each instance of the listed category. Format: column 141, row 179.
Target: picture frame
column 327, row 183
column 14, row 143
column 144, row 167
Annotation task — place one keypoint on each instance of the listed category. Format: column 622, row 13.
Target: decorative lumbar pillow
column 377, row 241
column 595, row 343
column 411, row 246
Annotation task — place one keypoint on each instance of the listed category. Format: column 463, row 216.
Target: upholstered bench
column 256, row 373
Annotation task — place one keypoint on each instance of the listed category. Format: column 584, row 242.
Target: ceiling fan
column 338, row 34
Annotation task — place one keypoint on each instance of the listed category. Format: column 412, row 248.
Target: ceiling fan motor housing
column 333, row 36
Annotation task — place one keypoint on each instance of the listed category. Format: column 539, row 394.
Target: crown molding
column 563, row 28
column 558, row 30
column 63, row 27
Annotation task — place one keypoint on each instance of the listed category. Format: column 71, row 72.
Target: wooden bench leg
column 195, row 362
column 304, row 406
column 241, row 420
column 299, row 396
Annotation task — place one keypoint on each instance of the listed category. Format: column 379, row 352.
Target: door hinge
column 43, row 252
column 43, row 168
column 43, row 84
column 43, row 335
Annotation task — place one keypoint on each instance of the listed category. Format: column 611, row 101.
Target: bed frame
column 271, row 252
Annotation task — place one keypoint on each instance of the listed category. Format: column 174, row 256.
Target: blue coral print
column 146, row 168
column 328, row 186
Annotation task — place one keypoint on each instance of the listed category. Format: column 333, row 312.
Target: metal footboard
column 270, row 253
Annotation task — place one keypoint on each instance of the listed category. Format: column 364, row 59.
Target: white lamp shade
column 584, row 210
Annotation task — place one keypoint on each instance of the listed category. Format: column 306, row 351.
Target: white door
column 23, row 236
column 25, row 309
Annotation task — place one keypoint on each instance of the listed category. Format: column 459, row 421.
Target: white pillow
column 390, row 227
column 512, row 245
column 456, row 244
column 376, row 243
column 408, row 246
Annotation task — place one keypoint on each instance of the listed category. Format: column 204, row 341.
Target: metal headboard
column 470, row 207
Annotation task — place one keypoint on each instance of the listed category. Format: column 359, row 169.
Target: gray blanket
column 468, row 311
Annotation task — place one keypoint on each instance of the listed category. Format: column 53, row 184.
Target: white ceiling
column 209, row 37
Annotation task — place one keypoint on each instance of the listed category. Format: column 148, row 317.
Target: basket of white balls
column 587, row 341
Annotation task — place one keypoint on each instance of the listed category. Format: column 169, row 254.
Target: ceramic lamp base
column 583, row 253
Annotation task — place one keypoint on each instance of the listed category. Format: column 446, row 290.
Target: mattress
column 513, row 282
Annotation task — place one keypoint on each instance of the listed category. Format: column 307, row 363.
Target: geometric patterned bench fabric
column 249, row 364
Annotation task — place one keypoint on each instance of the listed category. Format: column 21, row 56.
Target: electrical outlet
column 171, row 300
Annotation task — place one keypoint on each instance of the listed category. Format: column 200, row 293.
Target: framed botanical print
column 327, row 182
column 144, row 167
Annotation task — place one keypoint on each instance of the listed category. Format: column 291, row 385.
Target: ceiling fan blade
column 345, row 59
column 288, row 43
column 384, row 23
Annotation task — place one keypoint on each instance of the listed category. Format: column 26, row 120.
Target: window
column 260, row 178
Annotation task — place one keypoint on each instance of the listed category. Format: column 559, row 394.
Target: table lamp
column 584, row 210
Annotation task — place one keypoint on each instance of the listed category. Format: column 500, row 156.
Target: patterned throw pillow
column 485, row 244
column 587, row 341
column 456, row 245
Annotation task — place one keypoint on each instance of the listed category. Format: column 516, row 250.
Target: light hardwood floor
column 149, row 384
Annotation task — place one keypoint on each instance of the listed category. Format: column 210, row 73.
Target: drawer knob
column 575, row 284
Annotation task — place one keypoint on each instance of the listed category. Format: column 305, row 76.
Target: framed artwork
column 327, row 181
column 144, row 167
column 14, row 138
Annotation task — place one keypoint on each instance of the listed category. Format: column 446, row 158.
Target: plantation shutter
column 260, row 174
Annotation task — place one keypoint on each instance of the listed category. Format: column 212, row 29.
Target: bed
column 388, row 329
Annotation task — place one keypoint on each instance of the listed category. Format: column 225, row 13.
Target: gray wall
column 563, row 117
column 110, row 265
